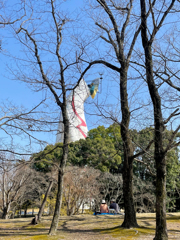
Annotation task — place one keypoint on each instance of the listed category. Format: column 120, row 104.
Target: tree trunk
column 6, row 210
column 159, row 155
column 5, row 213
column 82, row 208
column 13, row 213
column 41, row 210
column 55, row 221
column 124, row 58
column 20, row 213
column 161, row 227
column 25, row 212
column 130, row 214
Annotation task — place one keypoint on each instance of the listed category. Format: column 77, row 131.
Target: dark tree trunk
column 25, row 212
column 34, row 220
column 41, row 210
column 159, row 155
column 161, row 227
column 5, row 213
column 123, row 58
column 130, row 214
column 55, row 221
column 20, row 213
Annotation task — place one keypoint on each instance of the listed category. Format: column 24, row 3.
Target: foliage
column 173, row 179
column 141, row 139
column 147, row 174
column 100, row 149
column 46, row 159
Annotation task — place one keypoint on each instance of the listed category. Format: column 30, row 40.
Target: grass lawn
column 88, row 227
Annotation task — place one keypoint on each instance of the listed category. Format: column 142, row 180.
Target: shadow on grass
column 133, row 233
column 13, row 222
column 149, row 218
column 173, row 230
column 111, row 230
column 81, row 225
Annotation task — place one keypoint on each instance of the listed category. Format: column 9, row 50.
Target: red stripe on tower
column 83, row 124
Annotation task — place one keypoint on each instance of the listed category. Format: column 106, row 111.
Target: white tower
column 75, row 110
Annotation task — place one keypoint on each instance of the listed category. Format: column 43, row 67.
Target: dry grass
column 88, row 227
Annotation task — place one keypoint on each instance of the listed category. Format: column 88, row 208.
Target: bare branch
column 155, row 30
column 172, row 115
column 41, row 67
column 146, row 164
column 171, row 143
column 143, row 150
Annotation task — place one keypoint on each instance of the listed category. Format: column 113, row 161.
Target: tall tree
column 54, row 68
column 122, row 39
column 148, row 37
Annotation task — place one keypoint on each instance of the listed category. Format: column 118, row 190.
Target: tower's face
column 93, row 87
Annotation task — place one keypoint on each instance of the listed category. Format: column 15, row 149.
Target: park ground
column 88, row 227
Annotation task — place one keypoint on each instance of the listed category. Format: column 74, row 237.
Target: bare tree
column 144, row 195
column 80, row 186
column 52, row 180
column 41, row 209
column 53, row 69
column 120, row 39
column 148, row 37
column 15, row 179
column 110, row 186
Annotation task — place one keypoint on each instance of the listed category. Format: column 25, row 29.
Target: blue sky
column 19, row 93
column 14, row 90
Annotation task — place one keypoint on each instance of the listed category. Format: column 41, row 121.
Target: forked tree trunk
column 130, row 214
column 41, row 210
column 159, row 155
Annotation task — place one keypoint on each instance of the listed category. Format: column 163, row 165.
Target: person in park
column 114, row 206
column 104, row 207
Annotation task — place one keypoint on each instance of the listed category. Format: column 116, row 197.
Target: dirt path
column 88, row 227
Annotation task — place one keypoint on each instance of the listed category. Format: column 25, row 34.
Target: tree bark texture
column 41, row 210
column 55, row 221
column 5, row 213
column 130, row 214
column 159, row 155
